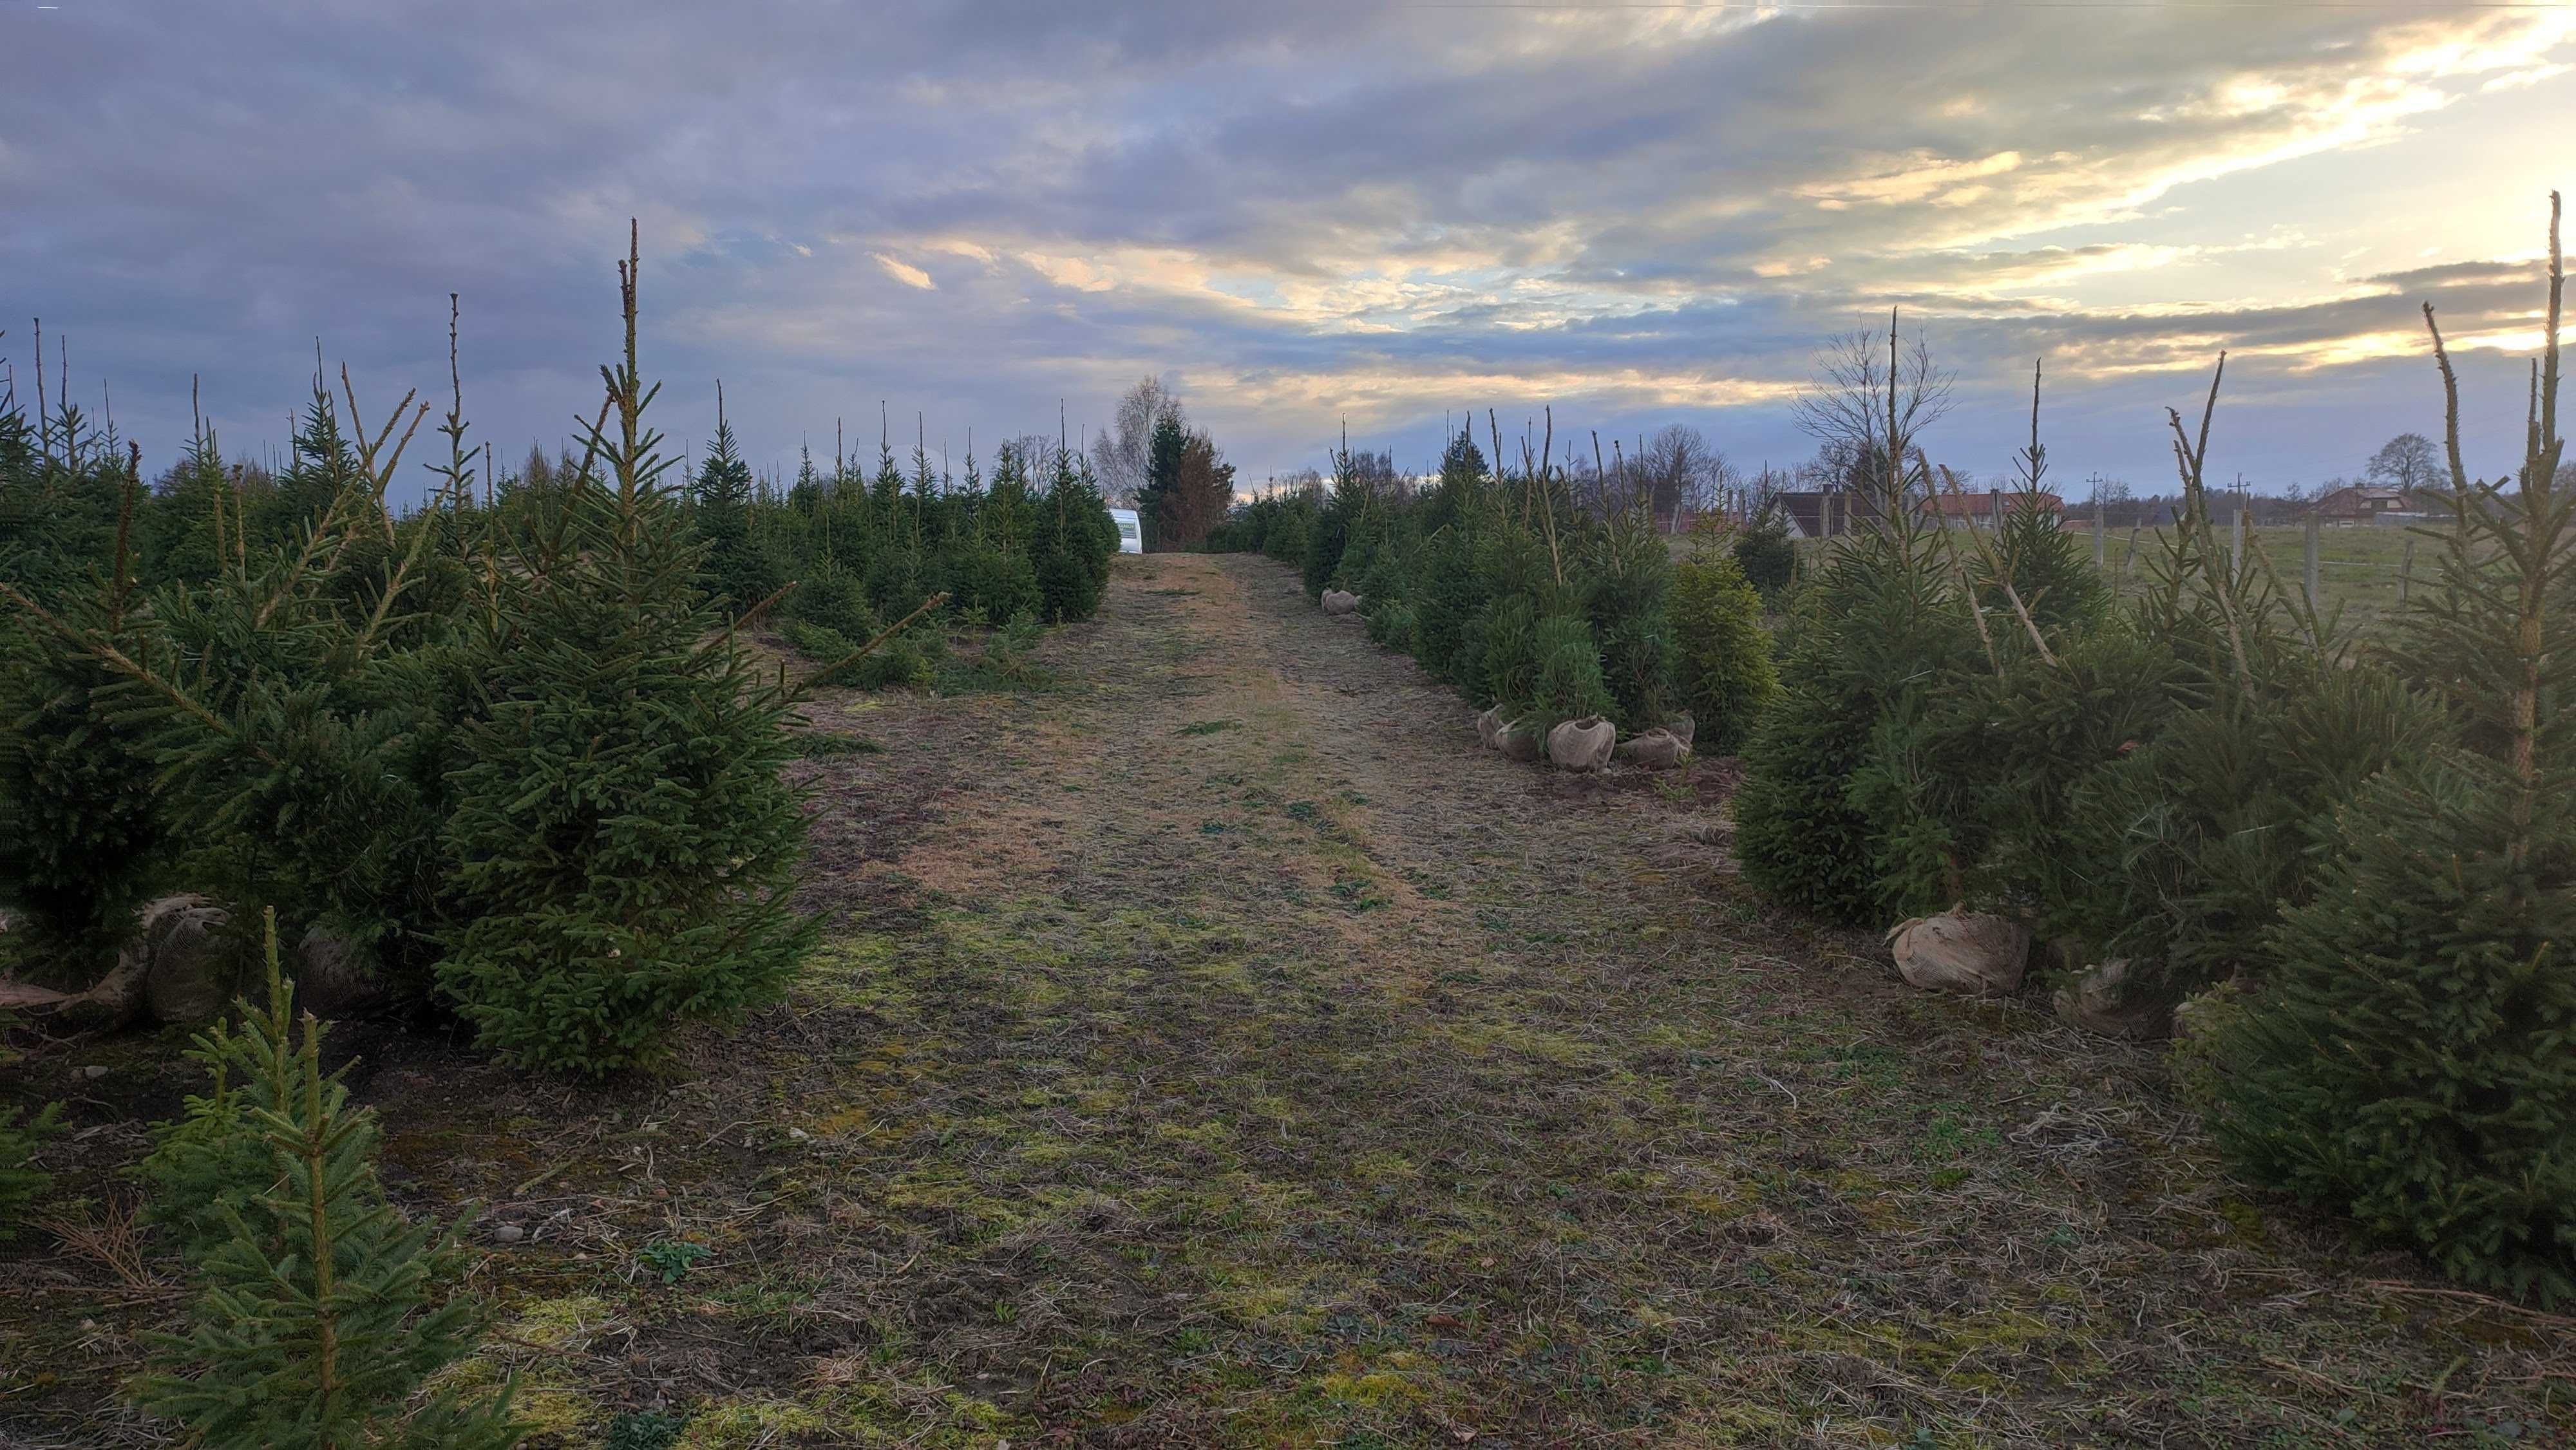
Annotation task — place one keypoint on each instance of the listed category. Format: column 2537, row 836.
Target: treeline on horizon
column 1678, row 472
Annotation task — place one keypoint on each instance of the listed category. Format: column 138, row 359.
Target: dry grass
column 1324, row 1080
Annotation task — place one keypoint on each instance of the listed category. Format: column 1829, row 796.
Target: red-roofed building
column 2361, row 502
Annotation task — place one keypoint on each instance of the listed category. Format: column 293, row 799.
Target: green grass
column 2363, row 569
column 823, row 744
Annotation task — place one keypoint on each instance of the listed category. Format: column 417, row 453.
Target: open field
column 2360, row 566
column 1215, row 1048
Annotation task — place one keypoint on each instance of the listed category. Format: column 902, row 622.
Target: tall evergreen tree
column 1157, row 501
column 182, row 537
column 322, row 469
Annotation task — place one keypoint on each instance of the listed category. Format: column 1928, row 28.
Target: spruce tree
column 1724, row 673
column 1158, row 503
column 2410, row 1057
column 1447, row 593
column 737, row 571
column 291, row 710
column 1202, row 494
column 1071, row 557
column 83, row 830
column 1330, row 535
column 61, row 488
column 1871, row 640
column 181, row 537
column 322, row 469
column 1764, row 552
column 2165, row 786
column 1506, row 653
column 1006, row 517
column 805, row 496
column 1880, row 626
column 324, row 1312
column 1565, row 678
column 885, row 492
column 624, row 845
column 924, row 511
column 1629, row 576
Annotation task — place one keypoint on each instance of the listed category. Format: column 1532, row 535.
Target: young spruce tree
column 82, row 830
column 325, row 1312
column 1071, row 558
column 738, row 571
column 1868, row 636
column 2411, row 1056
column 624, row 843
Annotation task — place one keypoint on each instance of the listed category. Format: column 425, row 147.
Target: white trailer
column 1131, row 531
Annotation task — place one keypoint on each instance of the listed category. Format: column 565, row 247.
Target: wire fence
column 2368, row 570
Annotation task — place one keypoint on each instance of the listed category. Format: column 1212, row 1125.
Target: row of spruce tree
column 1526, row 594
column 2357, row 858
column 2354, row 859
column 514, row 745
column 1025, row 547
column 515, row 749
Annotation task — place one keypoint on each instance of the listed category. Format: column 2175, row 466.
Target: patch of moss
column 549, row 1399
column 1370, row 1389
column 743, row 1424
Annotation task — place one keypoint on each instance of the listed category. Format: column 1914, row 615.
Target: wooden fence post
column 2317, row 594
column 2405, row 570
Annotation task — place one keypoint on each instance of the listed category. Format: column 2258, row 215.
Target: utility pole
column 2099, row 528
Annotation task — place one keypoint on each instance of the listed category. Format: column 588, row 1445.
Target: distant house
column 1985, row 508
column 1826, row 513
column 2359, row 503
column 1823, row 513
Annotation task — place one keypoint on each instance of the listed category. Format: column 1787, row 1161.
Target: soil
column 1213, row 1046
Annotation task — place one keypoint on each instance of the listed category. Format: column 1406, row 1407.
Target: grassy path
column 1218, row 1049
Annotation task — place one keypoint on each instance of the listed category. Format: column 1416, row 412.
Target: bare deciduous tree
column 1123, row 454
column 1869, row 400
column 1034, row 450
column 2408, row 461
column 1298, row 483
column 1687, row 473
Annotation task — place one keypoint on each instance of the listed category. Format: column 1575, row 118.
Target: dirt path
column 1217, row 1048
column 1354, row 1081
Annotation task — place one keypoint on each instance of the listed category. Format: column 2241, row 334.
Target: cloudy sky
column 1297, row 211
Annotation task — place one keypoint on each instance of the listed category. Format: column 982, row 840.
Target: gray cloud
column 1298, row 212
